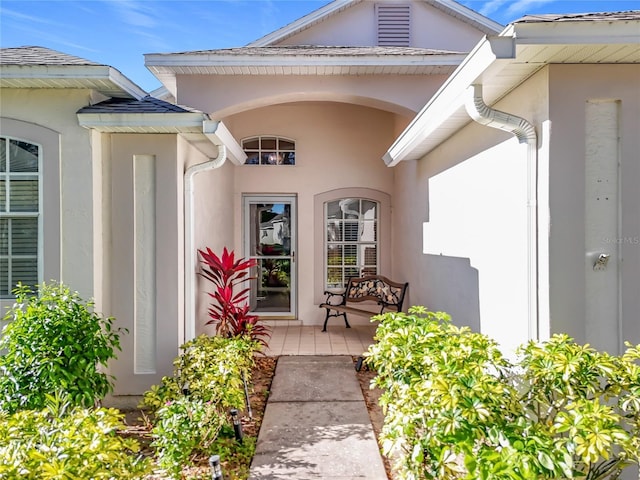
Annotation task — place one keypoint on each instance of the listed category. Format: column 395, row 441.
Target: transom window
column 269, row 151
column 19, row 213
column 351, row 226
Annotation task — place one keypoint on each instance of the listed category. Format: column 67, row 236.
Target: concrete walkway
column 316, row 424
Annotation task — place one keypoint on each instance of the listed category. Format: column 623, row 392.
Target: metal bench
column 372, row 288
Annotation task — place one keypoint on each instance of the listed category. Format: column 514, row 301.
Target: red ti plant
column 229, row 310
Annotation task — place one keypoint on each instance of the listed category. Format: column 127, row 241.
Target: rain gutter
column 481, row 113
column 190, row 256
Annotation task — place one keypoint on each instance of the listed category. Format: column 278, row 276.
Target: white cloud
column 134, row 13
column 491, row 6
column 523, row 7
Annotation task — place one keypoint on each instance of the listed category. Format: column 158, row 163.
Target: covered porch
column 293, row 338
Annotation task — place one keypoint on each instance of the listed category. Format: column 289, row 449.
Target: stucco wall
column 214, row 214
column 337, row 146
column 571, row 86
column 430, row 28
column 72, row 197
column 460, row 223
column 148, row 303
column 230, row 94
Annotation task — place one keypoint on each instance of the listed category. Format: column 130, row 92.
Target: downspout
column 190, row 250
column 525, row 133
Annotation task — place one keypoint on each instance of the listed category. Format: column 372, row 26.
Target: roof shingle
column 40, row 56
column 147, row 104
column 581, row 17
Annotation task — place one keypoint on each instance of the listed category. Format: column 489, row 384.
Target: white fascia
column 170, row 122
column 467, row 15
column 220, row 135
column 215, row 60
column 451, row 97
column 79, row 73
column 201, row 132
column 578, row 33
column 303, row 23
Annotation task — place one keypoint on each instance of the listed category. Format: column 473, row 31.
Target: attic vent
column 394, row 22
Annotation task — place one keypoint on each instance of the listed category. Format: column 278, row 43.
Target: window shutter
column 394, row 24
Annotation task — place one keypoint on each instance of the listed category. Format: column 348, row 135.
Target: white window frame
column 278, row 152
column 6, row 213
column 359, row 268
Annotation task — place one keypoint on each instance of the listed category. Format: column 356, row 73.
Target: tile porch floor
column 311, row 340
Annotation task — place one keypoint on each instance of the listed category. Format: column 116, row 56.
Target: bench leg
column 326, row 319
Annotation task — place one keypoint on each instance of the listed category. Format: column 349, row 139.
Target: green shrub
column 191, row 407
column 182, row 429
column 456, row 408
column 212, row 369
column 54, row 343
column 67, row 442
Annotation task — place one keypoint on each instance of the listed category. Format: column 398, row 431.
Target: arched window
column 19, row 213
column 351, row 226
column 269, row 150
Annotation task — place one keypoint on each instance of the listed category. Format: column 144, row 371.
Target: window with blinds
column 394, row 24
column 19, row 213
column 351, row 242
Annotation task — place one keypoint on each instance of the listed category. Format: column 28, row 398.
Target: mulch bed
column 138, row 426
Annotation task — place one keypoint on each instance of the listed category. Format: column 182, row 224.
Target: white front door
column 270, row 239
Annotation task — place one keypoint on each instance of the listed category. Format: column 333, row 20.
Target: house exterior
column 276, row 149
column 537, row 217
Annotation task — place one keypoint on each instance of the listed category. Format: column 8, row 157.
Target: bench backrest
column 378, row 289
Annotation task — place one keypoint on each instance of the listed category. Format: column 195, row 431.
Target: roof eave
column 168, row 61
column 82, row 73
column 303, row 23
column 445, row 113
column 201, row 132
column 486, row 25
column 449, row 99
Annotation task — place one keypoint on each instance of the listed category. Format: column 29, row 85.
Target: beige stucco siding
column 431, row 28
column 55, row 110
column 128, row 285
column 337, row 146
column 571, row 87
column 214, row 227
column 460, row 223
column 229, row 94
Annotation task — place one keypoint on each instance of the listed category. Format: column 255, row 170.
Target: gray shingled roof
column 39, row 67
column 145, row 105
column 580, row 17
column 39, row 56
column 316, row 50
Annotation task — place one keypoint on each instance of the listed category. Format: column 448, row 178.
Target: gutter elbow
column 481, row 113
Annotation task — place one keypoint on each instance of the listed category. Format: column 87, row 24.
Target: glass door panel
column 270, row 240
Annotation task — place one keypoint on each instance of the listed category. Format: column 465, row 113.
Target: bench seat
column 386, row 294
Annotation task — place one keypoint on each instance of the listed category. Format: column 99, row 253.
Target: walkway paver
column 316, row 424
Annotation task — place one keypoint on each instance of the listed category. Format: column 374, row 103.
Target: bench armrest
column 332, row 296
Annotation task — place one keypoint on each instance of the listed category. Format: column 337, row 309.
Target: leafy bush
column 183, row 428
column 212, row 369
column 229, row 312
column 54, row 343
column 65, row 441
column 192, row 406
column 456, row 408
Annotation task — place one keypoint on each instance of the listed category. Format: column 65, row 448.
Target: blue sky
column 120, row 32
